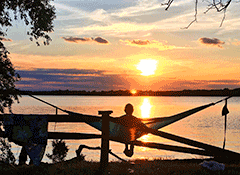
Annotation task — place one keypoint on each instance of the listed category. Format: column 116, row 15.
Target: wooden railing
column 80, row 118
column 205, row 149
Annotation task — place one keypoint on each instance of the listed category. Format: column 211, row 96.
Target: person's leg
column 131, row 147
column 2, row 133
column 23, row 156
column 126, row 148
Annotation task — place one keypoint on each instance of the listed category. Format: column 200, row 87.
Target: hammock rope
column 153, row 123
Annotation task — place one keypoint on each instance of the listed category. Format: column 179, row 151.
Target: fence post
column 105, row 140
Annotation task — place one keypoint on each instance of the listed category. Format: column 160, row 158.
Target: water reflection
column 144, row 138
column 146, row 108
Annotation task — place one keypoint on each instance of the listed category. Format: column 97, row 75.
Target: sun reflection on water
column 146, row 108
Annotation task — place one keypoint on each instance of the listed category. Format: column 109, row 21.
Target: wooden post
column 105, row 140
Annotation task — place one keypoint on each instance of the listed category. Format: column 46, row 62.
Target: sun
column 147, row 66
column 133, row 91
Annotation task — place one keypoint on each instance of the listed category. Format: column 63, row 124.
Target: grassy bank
column 137, row 167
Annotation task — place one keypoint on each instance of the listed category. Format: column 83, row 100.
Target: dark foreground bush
column 137, row 167
column 59, row 151
column 6, row 154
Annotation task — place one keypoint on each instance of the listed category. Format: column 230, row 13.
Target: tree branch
column 219, row 5
column 195, row 16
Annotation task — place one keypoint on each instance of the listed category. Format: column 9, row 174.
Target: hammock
column 119, row 131
column 160, row 122
column 122, row 134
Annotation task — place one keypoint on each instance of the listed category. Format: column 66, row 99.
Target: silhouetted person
column 133, row 125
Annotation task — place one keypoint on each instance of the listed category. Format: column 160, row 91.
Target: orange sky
column 98, row 45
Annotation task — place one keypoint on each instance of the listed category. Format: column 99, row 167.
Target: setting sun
column 147, row 67
column 133, row 91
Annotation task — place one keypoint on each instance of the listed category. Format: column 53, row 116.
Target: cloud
column 85, row 39
column 101, row 40
column 236, row 42
column 5, row 39
column 150, row 44
column 211, row 42
column 100, row 11
column 196, row 84
column 72, row 79
column 62, row 72
column 76, row 39
column 140, row 42
column 93, row 79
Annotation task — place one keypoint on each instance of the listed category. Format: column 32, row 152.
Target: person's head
column 129, row 109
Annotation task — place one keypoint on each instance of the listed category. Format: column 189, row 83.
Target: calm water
column 206, row 126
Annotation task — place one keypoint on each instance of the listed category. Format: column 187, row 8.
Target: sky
column 130, row 44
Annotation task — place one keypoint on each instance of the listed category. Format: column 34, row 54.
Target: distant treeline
column 220, row 92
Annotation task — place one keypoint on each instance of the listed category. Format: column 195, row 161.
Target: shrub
column 59, row 151
column 6, row 154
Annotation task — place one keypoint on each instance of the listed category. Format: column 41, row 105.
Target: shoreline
column 138, row 166
column 224, row 92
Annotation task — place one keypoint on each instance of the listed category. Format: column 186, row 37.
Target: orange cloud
column 211, row 42
column 5, row 39
column 99, row 40
column 140, row 42
column 150, row 44
column 236, row 43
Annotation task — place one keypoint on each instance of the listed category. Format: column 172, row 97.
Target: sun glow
column 147, row 67
column 133, row 91
column 146, row 108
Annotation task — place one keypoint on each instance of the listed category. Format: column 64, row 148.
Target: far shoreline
column 219, row 92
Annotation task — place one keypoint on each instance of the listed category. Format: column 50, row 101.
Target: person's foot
column 128, row 153
column 125, row 151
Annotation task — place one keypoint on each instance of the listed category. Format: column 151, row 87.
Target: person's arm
column 118, row 120
column 139, row 124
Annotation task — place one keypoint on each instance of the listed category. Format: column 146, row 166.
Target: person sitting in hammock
column 134, row 127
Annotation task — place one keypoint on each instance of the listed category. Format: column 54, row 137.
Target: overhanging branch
column 219, row 5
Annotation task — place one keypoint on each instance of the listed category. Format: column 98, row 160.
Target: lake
column 206, row 126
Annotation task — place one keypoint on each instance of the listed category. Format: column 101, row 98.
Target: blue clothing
column 28, row 131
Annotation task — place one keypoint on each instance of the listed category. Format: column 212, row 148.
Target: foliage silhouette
column 39, row 15
column 59, row 151
column 6, row 154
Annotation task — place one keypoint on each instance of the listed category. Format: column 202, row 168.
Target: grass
column 136, row 167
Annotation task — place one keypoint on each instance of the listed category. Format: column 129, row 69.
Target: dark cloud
column 140, row 42
column 72, row 79
column 198, row 84
column 76, row 39
column 85, row 39
column 211, row 41
column 5, row 39
column 92, row 79
column 68, row 71
column 101, row 40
